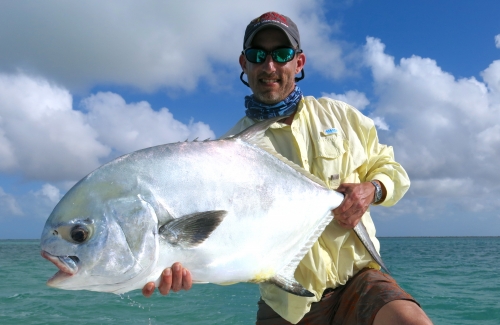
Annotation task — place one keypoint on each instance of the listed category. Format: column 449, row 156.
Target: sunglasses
column 280, row 55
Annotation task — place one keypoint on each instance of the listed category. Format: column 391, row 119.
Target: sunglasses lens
column 283, row 55
column 255, row 55
column 279, row 55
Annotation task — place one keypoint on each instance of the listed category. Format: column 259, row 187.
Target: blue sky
column 81, row 83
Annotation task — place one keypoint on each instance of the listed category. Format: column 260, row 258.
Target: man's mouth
column 268, row 81
column 67, row 265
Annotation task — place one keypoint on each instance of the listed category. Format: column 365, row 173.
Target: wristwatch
column 378, row 192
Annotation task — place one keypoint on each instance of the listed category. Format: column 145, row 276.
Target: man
column 338, row 144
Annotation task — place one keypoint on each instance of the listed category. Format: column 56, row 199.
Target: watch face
column 378, row 192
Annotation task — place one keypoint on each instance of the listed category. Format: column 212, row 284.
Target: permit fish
column 230, row 210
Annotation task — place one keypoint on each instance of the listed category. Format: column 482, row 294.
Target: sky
column 84, row 82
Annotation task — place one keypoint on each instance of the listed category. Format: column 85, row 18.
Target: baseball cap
column 272, row 19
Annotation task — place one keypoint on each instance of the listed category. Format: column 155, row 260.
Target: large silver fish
column 229, row 210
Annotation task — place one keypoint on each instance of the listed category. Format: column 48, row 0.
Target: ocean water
column 456, row 280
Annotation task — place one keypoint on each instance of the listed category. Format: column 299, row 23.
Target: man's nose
column 269, row 65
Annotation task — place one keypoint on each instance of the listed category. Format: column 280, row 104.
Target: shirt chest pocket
column 329, row 158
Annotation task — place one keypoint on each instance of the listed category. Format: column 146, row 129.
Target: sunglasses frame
column 272, row 53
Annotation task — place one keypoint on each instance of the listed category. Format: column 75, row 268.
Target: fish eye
column 79, row 233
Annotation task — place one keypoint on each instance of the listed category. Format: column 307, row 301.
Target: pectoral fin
column 191, row 230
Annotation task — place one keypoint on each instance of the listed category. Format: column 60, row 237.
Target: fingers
column 148, row 289
column 165, row 281
column 348, row 223
column 348, row 215
column 174, row 278
column 356, row 202
column 187, row 281
column 177, row 274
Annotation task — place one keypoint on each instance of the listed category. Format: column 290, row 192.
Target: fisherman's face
column 272, row 82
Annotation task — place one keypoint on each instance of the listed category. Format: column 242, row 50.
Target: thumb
column 342, row 188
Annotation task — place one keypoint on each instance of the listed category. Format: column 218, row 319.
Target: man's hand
column 358, row 198
column 174, row 278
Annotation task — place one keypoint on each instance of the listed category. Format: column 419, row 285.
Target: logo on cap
column 270, row 16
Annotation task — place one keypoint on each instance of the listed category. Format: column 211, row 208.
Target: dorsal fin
column 254, row 133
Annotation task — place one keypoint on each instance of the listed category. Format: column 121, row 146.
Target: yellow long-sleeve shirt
column 337, row 143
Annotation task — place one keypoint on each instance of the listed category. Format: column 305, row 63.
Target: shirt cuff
column 388, row 184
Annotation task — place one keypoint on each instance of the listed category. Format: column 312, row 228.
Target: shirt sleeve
column 380, row 163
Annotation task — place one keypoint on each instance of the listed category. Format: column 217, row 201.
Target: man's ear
column 243, row 63
column 301, row 61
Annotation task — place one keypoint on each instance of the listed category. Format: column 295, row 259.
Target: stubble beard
column 269, row 98
column 272, row 97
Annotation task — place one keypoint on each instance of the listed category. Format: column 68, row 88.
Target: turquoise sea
column 456, row 280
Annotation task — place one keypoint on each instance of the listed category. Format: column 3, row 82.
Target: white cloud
column 147, row 44
column 380, row 123
column 40, row 203
column 359, row 100
column 497, row 41
column 36, row 204
column 351, row 97
column 43, row 137
column 491, row 77
column 443, row 187
column 129, row 127
column 489, row 141
column 49, row 192
column 444, row 130
column 9, row 205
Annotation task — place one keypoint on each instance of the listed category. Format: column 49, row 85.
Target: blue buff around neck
column 261, row 111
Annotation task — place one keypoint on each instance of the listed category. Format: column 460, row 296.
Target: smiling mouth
column 269, row 82
column 67, row 265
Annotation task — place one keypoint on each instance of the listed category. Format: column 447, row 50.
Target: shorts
column 356, row 302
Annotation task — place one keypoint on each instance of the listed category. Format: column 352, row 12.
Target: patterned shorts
column 356, row 302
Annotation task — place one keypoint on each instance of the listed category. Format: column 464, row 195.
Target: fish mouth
column 67, row 265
